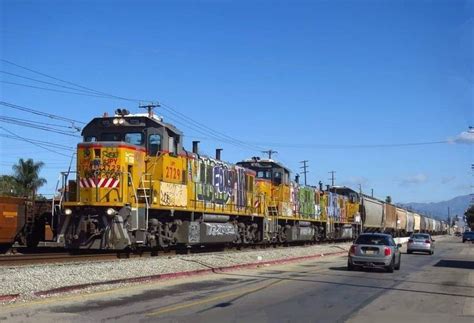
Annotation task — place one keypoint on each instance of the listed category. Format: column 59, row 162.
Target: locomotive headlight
column 115, row 121
column 121, row 121
column 67, row 211
column 111, row 211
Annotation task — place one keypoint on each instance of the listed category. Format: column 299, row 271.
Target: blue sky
column 278, row 74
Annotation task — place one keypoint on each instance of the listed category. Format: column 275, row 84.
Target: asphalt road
column 438, row 288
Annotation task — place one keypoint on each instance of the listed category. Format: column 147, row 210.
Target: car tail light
column 352, row 250
column 388, row 251
column 427, row 241
column 410, row 240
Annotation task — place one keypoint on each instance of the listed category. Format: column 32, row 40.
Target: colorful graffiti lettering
column 111, row 154
column 218, row 182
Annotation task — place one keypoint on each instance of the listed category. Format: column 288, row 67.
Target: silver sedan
column 420, row 242
column 375, row 250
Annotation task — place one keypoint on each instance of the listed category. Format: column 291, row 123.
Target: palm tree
column 27, row 176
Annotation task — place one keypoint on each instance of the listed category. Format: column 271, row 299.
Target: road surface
column 438, row 288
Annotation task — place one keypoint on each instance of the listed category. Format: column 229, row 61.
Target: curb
column 9, row 298
column 169, row 276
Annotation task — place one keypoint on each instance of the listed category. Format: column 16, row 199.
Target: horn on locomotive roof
column 297, row 178
column 218, row 153
column 122, row 112
column 196, row 147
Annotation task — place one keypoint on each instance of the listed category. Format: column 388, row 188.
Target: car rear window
column 373, row 240
column 420, row 236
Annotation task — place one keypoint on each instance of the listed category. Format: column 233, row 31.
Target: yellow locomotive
column 136, row 186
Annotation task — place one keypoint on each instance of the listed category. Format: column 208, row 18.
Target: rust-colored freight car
column 24, row 221
column 10, row 222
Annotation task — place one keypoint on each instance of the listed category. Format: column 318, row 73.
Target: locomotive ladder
column 144, row 191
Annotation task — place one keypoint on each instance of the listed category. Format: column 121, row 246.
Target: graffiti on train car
column 105, row 166
column 173, row 194
column 218, row 182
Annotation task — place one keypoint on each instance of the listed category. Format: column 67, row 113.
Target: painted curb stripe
column 183, row 274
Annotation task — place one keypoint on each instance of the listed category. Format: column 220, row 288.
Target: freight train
column 135, row 186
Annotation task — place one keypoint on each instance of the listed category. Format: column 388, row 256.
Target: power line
column 50, row 89
column 40, row 113
column 44, row 82
column 32, row 142
column 345, row 146
column 191, row 122
column 45, row 123
column 27, row 124
column 46, row 143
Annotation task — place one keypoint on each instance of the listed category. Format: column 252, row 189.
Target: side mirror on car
column 399, row 245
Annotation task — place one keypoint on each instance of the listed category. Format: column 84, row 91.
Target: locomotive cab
column 273, row 186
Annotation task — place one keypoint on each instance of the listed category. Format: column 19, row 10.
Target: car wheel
column 431, row 252
column 397, row 267
column 463, row 241
column 390, row 267
column 409, row 251
column 350, row 267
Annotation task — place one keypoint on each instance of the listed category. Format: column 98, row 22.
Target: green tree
column 26, row 174
column 8, row 186
column 470, row 217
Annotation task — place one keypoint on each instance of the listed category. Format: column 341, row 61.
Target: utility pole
column 270, row 152
column 149, row 108
column 372, row 192
column 305, row 169
column 332, row 177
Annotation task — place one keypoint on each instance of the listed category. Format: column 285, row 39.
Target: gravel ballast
column 27, row 280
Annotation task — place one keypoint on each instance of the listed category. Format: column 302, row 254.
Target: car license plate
column 370, row 252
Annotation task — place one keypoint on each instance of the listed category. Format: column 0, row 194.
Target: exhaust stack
column 218, row 153
column 196, row 147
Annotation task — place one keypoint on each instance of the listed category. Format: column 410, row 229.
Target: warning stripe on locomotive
column 100, row 182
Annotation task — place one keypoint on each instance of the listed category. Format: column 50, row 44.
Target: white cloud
column 465, row 137
column 414, row 179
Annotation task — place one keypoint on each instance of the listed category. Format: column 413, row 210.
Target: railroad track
column 46, row 256
column 57, row 257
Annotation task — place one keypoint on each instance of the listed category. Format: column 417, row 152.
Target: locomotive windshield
column 268, row 169
column 140, row 130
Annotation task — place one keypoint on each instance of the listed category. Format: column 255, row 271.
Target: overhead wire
column 219, row 136
column 40, row 113
column 46, row 143
column 211, row 134
column 32, row 142
column 27, row 124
